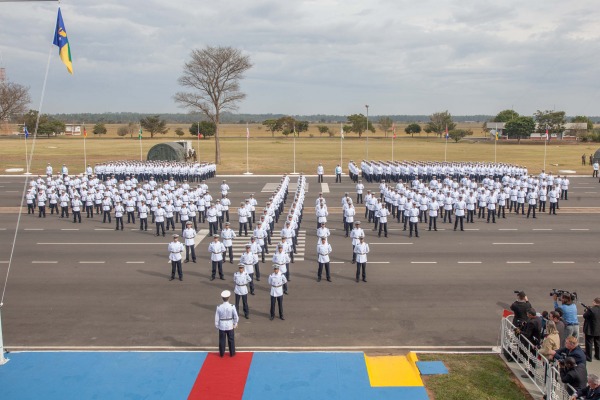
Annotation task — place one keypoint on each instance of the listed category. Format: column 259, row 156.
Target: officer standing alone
column 175, row 249
column 226, row 320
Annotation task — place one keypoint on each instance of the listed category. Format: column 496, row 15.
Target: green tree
column 505, row 116
column 14, row 99
column 584, row 119
column 413, row 128
column 385, row 124
column 290, row 125
column 132, row 128
column 213, row 74
column 123, row 130
column 206, row 129
column 358, row 124
column 458, row 134
column 179, row 132
column 47, row 125
column 519, row 127
column 154, row 125
column 273, row 126
column 554, row 121
column 99, row 129
column 323, row 129
column 439, row 122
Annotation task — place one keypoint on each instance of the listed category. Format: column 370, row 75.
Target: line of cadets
column 464, row 196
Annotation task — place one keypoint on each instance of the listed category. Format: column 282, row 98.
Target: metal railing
column 543, row 373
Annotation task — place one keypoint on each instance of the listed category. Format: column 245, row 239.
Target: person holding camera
column 569, row 313
column 591, row 391
column 591, row 329
column 571, row 349
column 572, row 374
column 519, row 308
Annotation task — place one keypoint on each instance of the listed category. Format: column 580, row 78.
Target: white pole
column 495, row 142
column 294, row 133
column 3, row 360
column 367, row 106
column 198, row 143
column 341, row 143
column 247, row 157
column 84, row 151
column 393, row 145
column 545, row 143
column 140, row 142
column 26, row 159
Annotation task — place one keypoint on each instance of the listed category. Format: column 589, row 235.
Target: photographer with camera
column 591, row 329
column 591, row 391
column 573, row 374
column 519, row 308
column 530, row 336
column 569, row 310
column 571, row 349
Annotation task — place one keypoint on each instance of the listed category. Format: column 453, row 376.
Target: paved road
column 87, row 285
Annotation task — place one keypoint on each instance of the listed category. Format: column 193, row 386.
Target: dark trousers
column 359, row 198
column 338, row 178
column 89, row 210
column 348, row 228
column 542, row 206
column 415, row 226
column 434, row 221
column 119, row 221
column 171, row 223
column 243, row 226
column 219, row 265
column 226, row 215
column 160, row 226
column 244, row 298
column 564, row 194
column 212, row 228
column 319, row 178
column 76, row 216
column 130, row 217
column 176, row 265
column 552, row 208
column 492, row 213
column 502, row 211
column 592, row 342
column 42, row 211
column 361, row 267
column 470, row 214
column 257, row 273
column 53, row 207
column 230, row 338
column 64, row 212
column 106, row 214
column 448, row 213
column 230, row 249
column 279, row 300
column 143, row 224
column 456, row 220
column 529, row 208
column 382, row 225
column 321, row 270
column 189, row 249
column 30, row 208
column 251, row 284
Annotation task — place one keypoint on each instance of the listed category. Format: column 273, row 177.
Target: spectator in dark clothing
column 571, row 349
column 591, row 329
column 591, row 391
column 519, row 308
column 573, row 375
column 533, row 328
column 560, row 326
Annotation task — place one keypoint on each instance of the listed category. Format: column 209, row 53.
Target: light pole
column 367, row 106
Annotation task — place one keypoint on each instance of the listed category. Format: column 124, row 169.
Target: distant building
column 72, row 130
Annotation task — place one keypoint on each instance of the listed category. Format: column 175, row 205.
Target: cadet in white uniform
column 361, row 250
column 227, row 235
column 175, row 249
column 241, row 279
column 459, row 212
column 226, row 320
column 277, row 280
column 216, row 250
column 119, row 210
column 323, row 251
column 249, row 260
column 355, row 234
column 359, row 191
column 159, row 219
column 320, row 172
column 243, row 215
column 189, row 234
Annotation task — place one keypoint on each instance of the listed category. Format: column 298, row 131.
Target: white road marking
column 471, row 229
column 590, row 192
column 103, row 229
column 3, row 262
column 297, row 258
column 543, row 229
column 574, row 229
column 69, row 229
column 336, row 262
column 563, row 262
column 508, row 229
column 34, row 229
column 584, row 187
column 469, row 262
column 2, row 229
column 518, row 262
column 202, row 233
column 325, row 187
column 516, row 244
column 378, row 262
column 89, row 244
column 389, row 243
column 423, row 262
column 44, row 262
column 135, row 262
column 92, row 262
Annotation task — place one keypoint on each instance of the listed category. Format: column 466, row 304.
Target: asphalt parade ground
column 86, row 286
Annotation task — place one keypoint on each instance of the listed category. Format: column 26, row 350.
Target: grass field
column 481, row 377
column 275, row 155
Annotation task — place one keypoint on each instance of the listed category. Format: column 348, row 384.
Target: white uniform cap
column 225, row 293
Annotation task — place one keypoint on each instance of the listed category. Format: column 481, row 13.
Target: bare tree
column 14, row 99
column 214, row 74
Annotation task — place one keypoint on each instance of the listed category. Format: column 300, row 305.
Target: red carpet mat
column 222, row 378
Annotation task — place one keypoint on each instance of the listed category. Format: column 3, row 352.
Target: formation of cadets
column 169, row 201
column 462, row 190
column 160, row 170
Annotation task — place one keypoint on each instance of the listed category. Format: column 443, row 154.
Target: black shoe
column 221, row 278
column 357, row 280
column 281, row 318
column 352, row 262
column 194, row 261
column 156, row 234
column 212, row 278
column 271, row 318
column 328, row 279
column 180, row 278
column 319, row 279
column 364, row 280
column 171, row 278
column 258, row 279
column 186, row 261
column 245, row 316
column 285, row 292
column 252, row 293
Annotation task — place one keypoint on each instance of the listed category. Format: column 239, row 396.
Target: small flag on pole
column 546, row 133
column 62, row 41
column 140, row 133
column 497, row 135
column 447, row 136
column 25, row 131
column 341, row 131
column 247, row 133
column 394, row 130
column 84, row 132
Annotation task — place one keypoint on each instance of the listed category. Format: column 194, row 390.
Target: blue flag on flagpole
column 26, row 131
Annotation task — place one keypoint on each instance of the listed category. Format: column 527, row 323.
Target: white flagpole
column 247, row 158
column 545, row 143
column 140, row 136
column 495, row 142
column 26, row 162
column 294, row 133
column 84, row 151
column 341, row 143
column 198, row 143
column 393, row 140
column 446, row 146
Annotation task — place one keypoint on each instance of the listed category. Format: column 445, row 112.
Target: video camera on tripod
column 564, row 293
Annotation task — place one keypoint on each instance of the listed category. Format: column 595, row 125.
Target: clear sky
column 316, row 57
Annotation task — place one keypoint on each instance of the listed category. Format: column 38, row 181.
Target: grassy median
column 479, row 377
